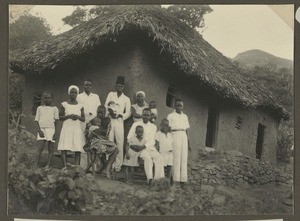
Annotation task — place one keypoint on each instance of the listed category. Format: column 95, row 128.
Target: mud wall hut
column 163, row 56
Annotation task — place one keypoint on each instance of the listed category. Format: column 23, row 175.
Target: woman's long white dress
column 71, row 135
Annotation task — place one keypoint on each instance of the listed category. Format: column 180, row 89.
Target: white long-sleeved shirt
column 90, row 104
column 123, row 102
column 149, row 133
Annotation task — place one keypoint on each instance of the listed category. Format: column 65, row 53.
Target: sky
column 231, row 29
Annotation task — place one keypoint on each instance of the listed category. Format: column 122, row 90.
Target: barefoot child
column 131, row 157
column 46, row 120
column 179, row 124
column 154, row 113
column 71, row 135
column 98, row 131
column 164, row 145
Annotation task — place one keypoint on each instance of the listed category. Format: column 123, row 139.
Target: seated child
column 131, row 157
column 97, row 139
column 154, row 112
column 46, row 121
column 164, row 145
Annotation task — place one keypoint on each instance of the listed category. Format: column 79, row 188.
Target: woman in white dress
column 71, row 135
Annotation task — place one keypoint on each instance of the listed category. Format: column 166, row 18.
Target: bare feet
column 107, row 173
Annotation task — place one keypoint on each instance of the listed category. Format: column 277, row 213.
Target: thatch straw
column 185, row 46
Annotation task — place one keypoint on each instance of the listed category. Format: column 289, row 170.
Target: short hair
column 147, row 109
column 48, row 92
column 88, row 79
column 164, row 120
column 178, row 99
column 139, row 126
column 101, row 106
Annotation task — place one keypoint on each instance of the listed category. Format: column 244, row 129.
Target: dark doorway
column 211, row 127
column 260, row 140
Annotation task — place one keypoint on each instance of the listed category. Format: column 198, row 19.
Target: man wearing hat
column 123, row 112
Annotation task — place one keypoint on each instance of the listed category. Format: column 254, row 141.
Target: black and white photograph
column 151, row 110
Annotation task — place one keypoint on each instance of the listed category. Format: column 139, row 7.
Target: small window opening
column 239, row 121
column 260, row 140
column 212, row 122
column 170, row 100
column 36, row 101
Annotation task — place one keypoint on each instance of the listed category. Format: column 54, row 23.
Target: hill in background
column 250, row 59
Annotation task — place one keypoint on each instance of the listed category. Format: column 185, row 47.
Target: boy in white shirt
column 164, row 145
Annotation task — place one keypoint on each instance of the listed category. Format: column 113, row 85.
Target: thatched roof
column 185, row 46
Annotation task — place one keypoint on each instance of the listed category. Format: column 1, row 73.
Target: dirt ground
column 115, row 197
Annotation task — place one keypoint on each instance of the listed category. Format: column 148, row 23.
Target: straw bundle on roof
column 185, row 46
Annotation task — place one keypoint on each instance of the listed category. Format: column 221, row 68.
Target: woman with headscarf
column 71, row 136
column 137, row 109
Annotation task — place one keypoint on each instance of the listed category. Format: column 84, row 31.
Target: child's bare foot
column 129, row 181
column 107, row 173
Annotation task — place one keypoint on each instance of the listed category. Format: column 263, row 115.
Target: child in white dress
column 46, row 120
column 71, row 135
column 131, row 157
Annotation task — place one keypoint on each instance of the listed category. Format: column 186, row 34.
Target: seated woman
column 98, row 143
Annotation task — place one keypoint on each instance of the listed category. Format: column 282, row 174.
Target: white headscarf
column 140, row 92
column 73, row 86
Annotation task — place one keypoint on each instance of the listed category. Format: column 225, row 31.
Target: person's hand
column 133, row 147
column 41, row 134
column 74, row 117
column 127, row 156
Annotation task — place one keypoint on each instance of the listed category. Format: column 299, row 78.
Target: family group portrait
column 150, row 110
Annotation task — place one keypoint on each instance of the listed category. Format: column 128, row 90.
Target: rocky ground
column 220, row 183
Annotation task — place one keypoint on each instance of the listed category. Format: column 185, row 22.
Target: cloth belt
column 178, row 130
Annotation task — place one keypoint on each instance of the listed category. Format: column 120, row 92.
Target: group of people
column 88, row 124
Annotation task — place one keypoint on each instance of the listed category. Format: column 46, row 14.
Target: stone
column 207, row 189
column 218, row 200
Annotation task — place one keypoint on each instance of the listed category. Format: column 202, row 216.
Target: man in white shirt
column 148, row 151
column 90, row 102
column 123, row 112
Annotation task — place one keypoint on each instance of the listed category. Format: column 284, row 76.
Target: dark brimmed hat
column 120, row 80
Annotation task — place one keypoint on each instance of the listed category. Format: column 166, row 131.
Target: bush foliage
column 43, row 192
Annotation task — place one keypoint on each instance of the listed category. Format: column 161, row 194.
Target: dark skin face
column 146, row 116
column 87, row 87
column 179, row 107
column 139, row 132
column 119, row 88
column 47, row 99
column 101, row 112
column 140, row 98
column 73, row 94
column 152, row 105
column 165, row 126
